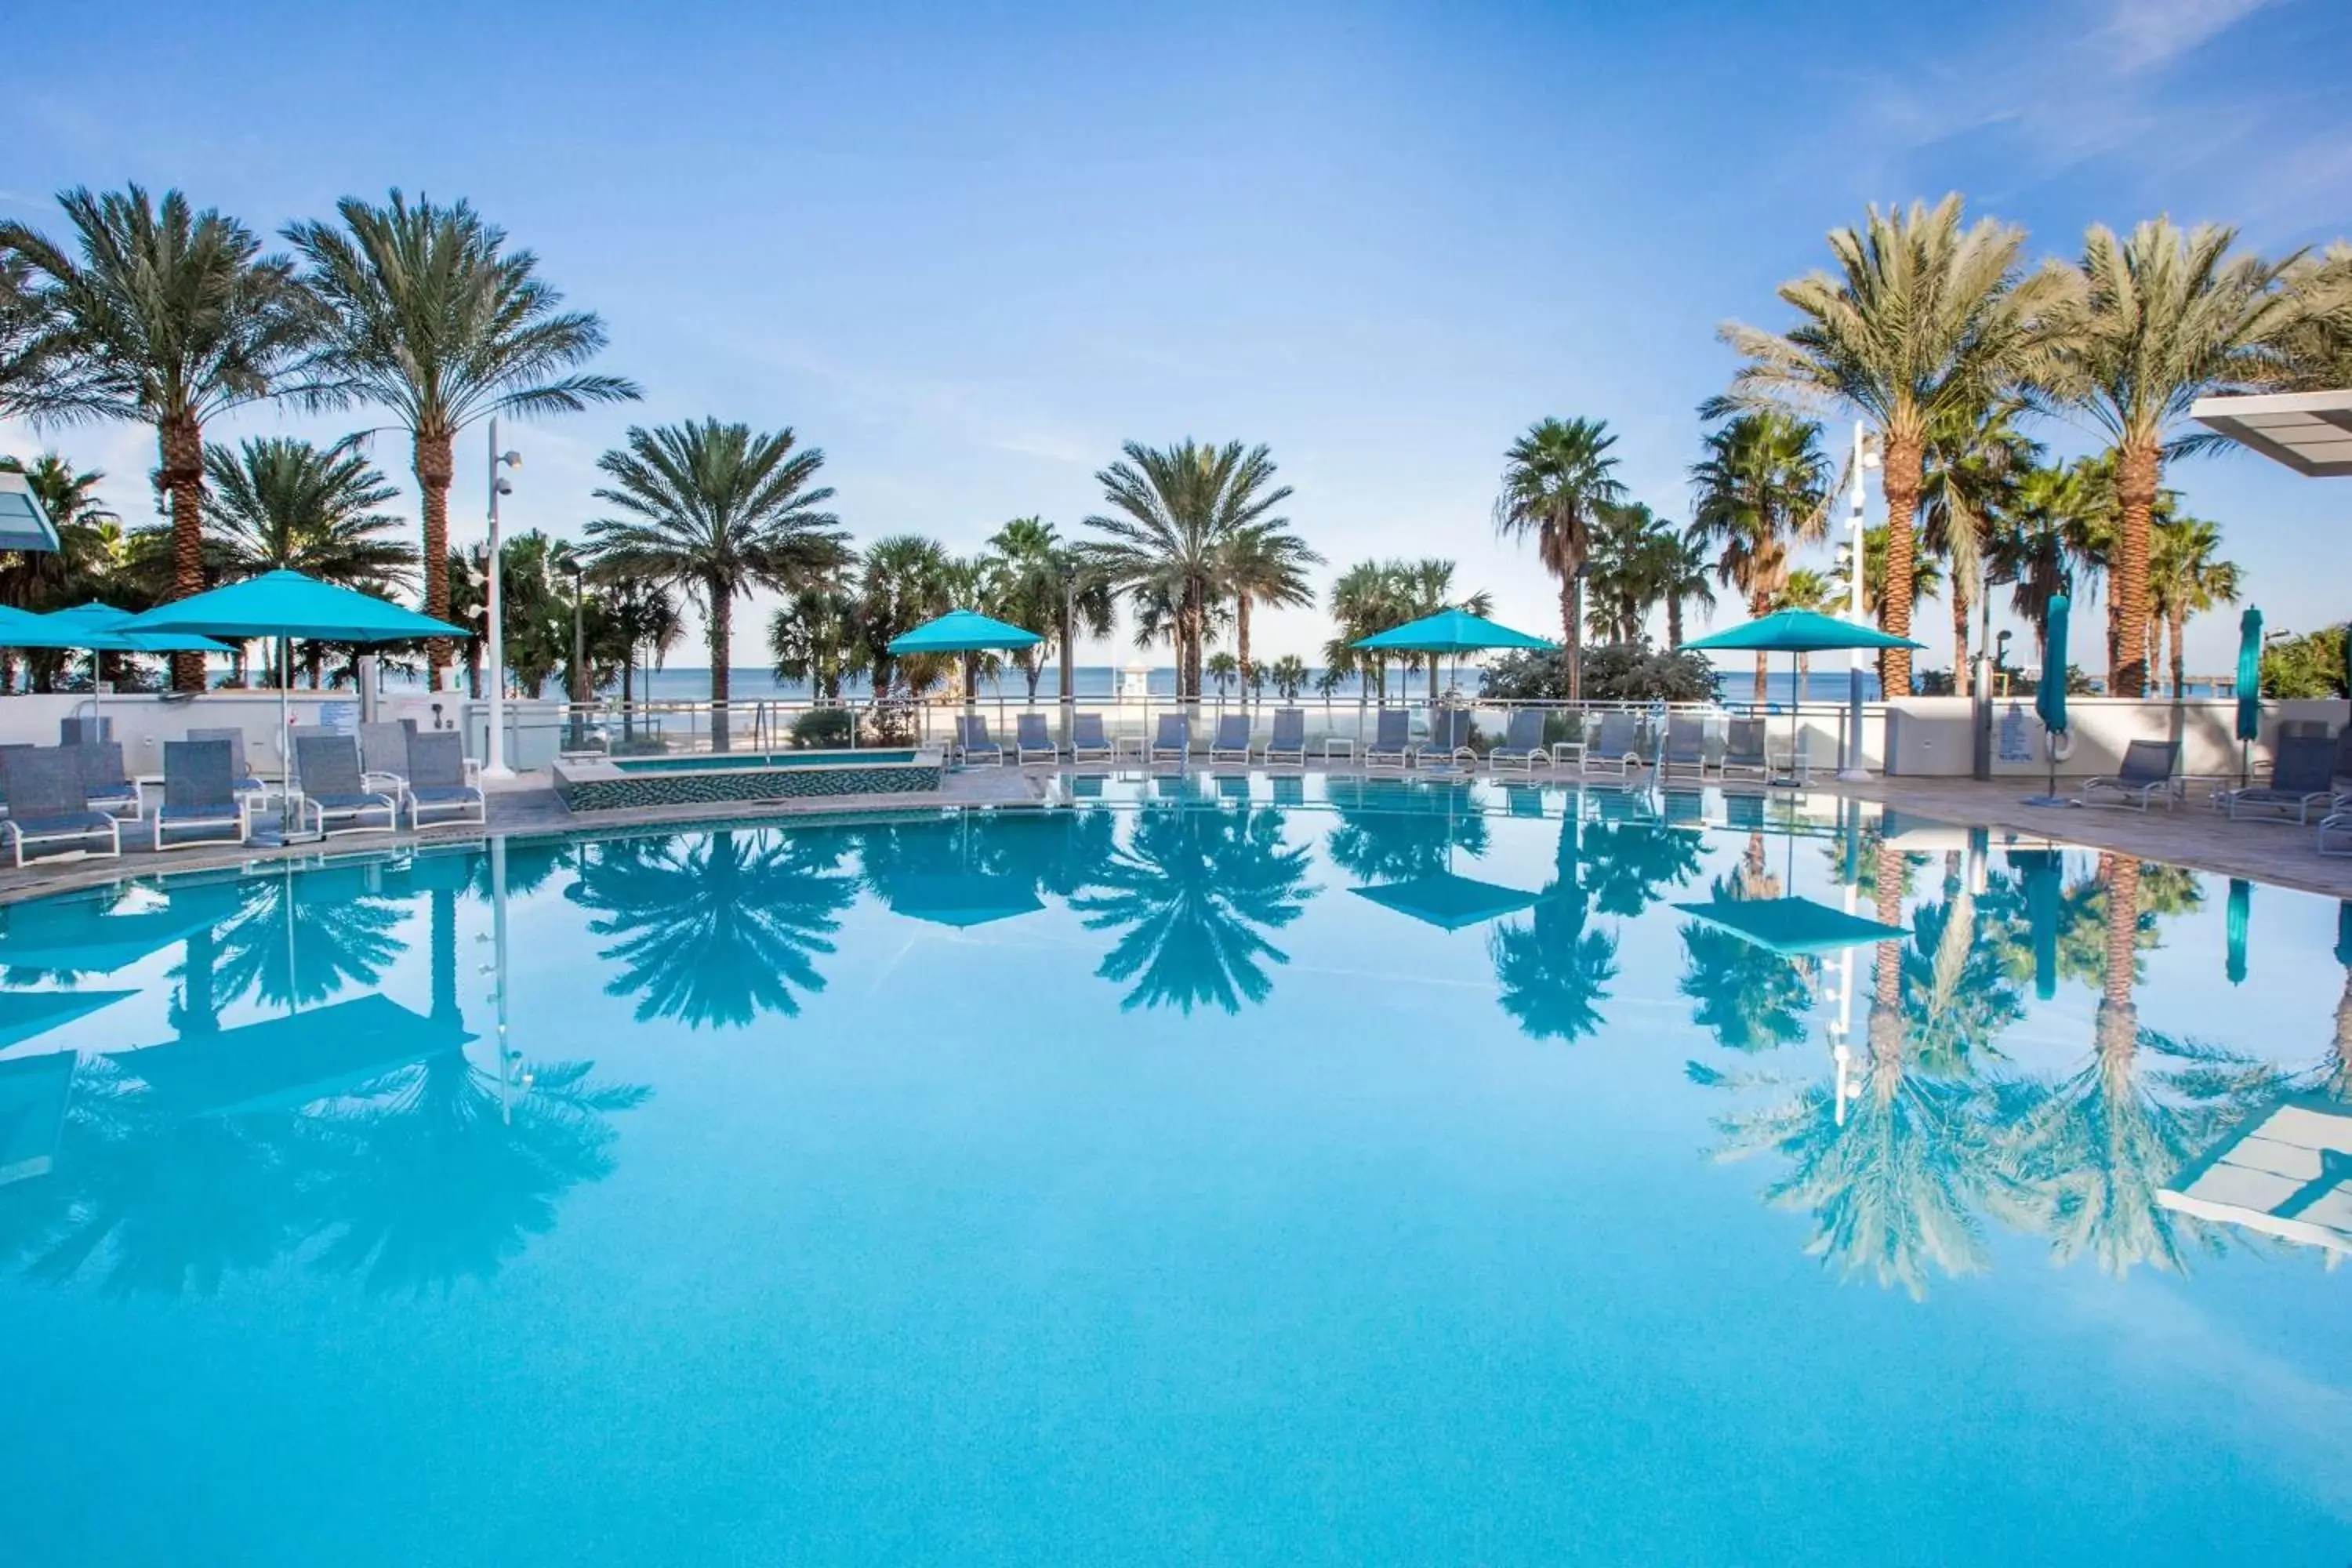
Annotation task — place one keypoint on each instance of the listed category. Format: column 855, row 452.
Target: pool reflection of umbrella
column 961, row 898
column 1797, row 632
column 2041, row 869
column 1791, row 927
column 2049, row 694
column 33, row 1093
column 2242, row 903
column 26, row 1013
column 289, row 1062
column 1447, row 901
column 77, row 936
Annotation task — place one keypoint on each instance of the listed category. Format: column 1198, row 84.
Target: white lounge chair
column 1288, row 742
column 1522, row 748
column 1684, row 756
column 972, row 742
column 1031, row 738
column 202, row 804
column 438, row 781
column 327, row 775
column 2300, row 788
column 1087, row 741
column 47, row 804
column 1616, row 750
column 1743, row 750
column 1173, row 738
column 1392, row 744
column 1232, row 743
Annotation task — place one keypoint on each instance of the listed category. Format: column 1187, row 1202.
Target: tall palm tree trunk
column 435, row 465
column 722, row 620
column 1963, row 678
column 1760, row 604
column 2179, row 659
column 2118, row 1025
column 1674, row 622
column 1068, row 633
column 1242, row 638
column 1571, row 620
column 181, row 443
column 1903, row 474
column 2136, row 469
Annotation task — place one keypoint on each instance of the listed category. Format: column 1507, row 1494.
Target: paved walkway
column 2196, row 836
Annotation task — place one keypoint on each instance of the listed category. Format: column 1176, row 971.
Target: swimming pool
column 1207, row 1171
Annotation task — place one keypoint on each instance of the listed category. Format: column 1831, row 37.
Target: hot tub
column 614, row 784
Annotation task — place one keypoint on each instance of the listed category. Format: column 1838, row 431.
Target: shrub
column 824, row 729
column 1613, row 672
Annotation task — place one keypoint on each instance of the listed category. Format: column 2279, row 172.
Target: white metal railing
column 768, row 724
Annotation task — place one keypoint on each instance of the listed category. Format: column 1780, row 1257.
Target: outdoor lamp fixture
column 1866, row 458
column 494, row 755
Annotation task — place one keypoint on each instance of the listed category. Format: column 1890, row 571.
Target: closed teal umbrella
column 2043, row 871
column 2050, row 693
column 2250, row 688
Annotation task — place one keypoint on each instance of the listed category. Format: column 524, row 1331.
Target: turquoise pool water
column 1184, row 1177
column 706, row 763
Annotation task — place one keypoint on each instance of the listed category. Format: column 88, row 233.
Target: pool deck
column 2195, row 835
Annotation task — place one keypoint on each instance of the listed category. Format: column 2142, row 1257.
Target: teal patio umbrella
column 2050, row 693
column 1454, row 632
column 1795, row 632
column 2043, row 871
column 967, row 632
column 1448, row 901
column 2250, row 688
column 288, row 605
column 100, row 629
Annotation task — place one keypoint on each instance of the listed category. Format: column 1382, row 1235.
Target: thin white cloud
column 2147, row 35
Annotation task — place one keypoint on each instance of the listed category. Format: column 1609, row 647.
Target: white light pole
column 1866, row 458
column 494, row 755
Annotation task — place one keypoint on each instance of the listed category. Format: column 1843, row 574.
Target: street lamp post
column 1865, row 459
column 494, row 755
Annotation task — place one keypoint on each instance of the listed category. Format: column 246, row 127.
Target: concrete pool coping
column 527, row 807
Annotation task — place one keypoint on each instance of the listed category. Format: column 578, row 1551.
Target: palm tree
column 1289, row 673
column 2043, row 547
column 1749, row 997
column 1975, row 460
column 813, row 636
column 1554, row 479
column 170, row 317
column 1265, row 565
column 1366, row 598
column 1877, row 566
column 2186, row 578
column 1184, row 511
column 1620, row 577
column 1222, row 669
column 718, row 512
column 1048, row 582
column 284, row 505
column 1923, row 315
column 429, row 315
column 1682, row 575
column 2166, row 317
column 902, row 582
column 1763, row 487
column 640, row 617
column 27, row 338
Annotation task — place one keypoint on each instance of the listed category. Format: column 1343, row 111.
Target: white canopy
column 2310, row 432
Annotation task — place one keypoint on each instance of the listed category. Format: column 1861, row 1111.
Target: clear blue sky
column 969, row 250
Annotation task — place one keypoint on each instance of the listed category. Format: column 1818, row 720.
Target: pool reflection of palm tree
column 437, row 1176
column 1749, row 997
column 1962, row 968
column 2099, row 1145
column 1551, row 969
column 1631, row 864
column 302, row 938
column 1395, row 831
column 716, row 928
column 1194, row 892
